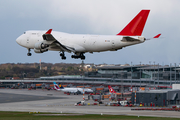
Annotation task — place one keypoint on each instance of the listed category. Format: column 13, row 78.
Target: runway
column 55, row 101
column 9, row 97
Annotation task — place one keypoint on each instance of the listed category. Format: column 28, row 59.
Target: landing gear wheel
column 63, row 57
column 29, row 54
column 83, row 57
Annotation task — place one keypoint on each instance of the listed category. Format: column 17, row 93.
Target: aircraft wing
column 55, row 44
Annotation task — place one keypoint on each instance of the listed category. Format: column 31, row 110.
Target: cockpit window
column 24, row 32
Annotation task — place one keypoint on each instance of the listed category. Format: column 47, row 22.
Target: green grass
column 27, row 116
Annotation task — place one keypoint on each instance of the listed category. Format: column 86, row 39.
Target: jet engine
column 40, row 50
column 40, row 45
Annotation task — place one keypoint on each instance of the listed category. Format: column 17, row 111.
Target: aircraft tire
column 83, row 58
column 63, row 57
column 29, row 54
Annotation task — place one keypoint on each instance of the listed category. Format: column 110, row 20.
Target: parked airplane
column 42, row 41
column 111, row 90
column 71, row 90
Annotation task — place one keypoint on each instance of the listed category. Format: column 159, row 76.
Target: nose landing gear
column 29, row 54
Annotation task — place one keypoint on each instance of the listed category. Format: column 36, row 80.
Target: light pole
column 140, row 75
column 170, row 74
column 175, row 73
column 154, row 74
column 158, row 75
column 150, row 74
column 131, row 76
column 178, row 75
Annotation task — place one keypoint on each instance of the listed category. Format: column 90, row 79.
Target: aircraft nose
column 18, row 40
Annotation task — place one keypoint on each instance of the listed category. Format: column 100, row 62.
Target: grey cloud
column 91, row 17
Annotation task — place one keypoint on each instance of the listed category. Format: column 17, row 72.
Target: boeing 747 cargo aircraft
column 79, row 44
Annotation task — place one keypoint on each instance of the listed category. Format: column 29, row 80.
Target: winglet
column 157, row 36
column 49, row 31
column 136, row 26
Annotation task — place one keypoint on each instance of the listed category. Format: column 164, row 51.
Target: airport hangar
column 151, row 76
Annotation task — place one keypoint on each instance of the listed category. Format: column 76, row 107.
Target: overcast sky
column 102, row 17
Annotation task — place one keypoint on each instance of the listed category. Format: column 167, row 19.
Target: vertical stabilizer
column 61, row 87
column 136, row 26
column 56, row 87
column 111, row 90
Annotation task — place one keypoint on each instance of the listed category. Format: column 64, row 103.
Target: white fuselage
column 75, row 90
column 78, row 42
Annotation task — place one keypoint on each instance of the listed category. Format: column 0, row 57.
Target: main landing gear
column 81, row 55
column 29, row 54
column 63, row 57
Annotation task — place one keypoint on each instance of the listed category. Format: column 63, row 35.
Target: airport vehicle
column 123, row 103
column 79, row 44
column 71, row 90
column 79, row 103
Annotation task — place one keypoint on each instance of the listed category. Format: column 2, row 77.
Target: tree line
column 35, row 70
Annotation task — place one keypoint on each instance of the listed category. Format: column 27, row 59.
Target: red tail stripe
column 136, row 26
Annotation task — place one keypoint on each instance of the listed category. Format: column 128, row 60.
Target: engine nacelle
column 40, row 45
column 40, row 50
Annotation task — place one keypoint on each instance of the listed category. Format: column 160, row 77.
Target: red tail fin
column 111, row 90
column 136, row 26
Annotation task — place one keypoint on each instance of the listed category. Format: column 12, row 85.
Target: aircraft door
column 27, row 40
column 84, row 40
column 113, row 43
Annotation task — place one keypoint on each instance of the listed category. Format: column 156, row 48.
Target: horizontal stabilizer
column 129, row 39
column 157, row 36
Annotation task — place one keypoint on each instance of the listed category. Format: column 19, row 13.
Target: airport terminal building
column 137, row 75
column 126, row 76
